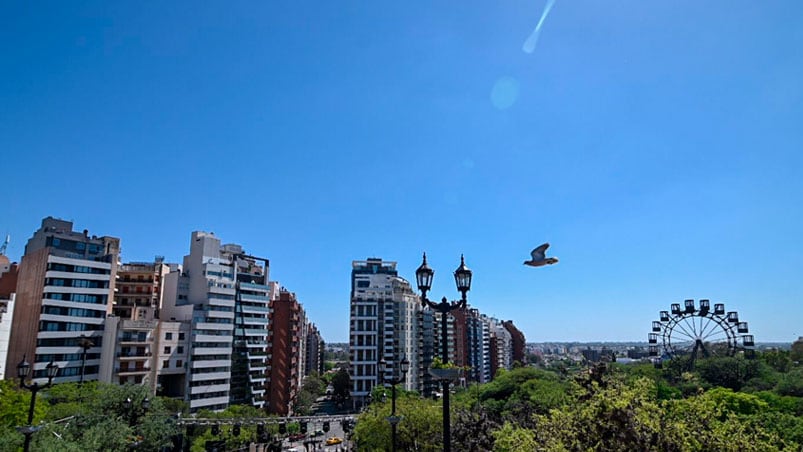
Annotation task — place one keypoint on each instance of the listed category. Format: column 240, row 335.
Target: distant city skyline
column 656, row 146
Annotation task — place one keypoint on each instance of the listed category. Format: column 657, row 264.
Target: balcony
column 133, row 356
column 135, row 340
column 129, row 371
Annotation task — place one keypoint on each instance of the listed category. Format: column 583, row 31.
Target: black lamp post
column 23, row 368
column 393, row 419
column 133, row 411
column 85, row 343
column 462, row 278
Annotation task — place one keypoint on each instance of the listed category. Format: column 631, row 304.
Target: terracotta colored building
column 286, row 320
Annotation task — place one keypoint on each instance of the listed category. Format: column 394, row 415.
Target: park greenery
column 740, row 403
column 721, row 404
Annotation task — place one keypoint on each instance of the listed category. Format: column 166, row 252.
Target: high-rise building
column 250, row 347
column 203, row 293
column 501, row 346
column 218, row 300
column 8, row 287
column 64, row 291
column 139, row 289
column 479, row 343
column 384, row 325
column 285, row 363
column 315, row 348
column 518, row 343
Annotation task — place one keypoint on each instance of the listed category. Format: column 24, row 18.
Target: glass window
column 167, row 350
column 168, row 336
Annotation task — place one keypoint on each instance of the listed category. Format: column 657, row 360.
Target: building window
column 180, row 349
column 166, row 364
column 167, row 350
column 168, row 336
column 181, row 336
column 179, row 363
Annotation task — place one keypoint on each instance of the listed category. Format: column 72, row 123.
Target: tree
column 341, row 385
column 728, row 372
column 419, row 428
column 796, row 352
column 510, row 438
column 94, row 417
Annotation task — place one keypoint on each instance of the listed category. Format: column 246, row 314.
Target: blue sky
column 658, row 146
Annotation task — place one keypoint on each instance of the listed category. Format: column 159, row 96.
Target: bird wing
column 539, row 252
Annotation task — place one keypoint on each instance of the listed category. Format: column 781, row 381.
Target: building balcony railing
column 133, row 355
column 135, row 341
column 134, row 371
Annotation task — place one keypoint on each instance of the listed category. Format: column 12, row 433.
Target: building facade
column 384, row 325
column 64, row 291
column 202, row 293
column 285, row 360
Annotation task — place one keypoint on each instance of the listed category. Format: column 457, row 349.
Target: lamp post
column 393, row 419
column 462, row 278
column 133, row 411
column 85, row 343
column 23, row 368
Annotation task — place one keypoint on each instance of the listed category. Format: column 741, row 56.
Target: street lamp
column 23, row 368
column 85, row 343
column 133, row 412
column 462, row 278
column 393, row 419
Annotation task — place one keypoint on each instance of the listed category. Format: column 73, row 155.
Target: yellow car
column 333, row 440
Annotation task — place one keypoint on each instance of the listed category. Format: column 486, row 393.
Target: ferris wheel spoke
column 716, row 333
column 690, row 322
column 684, row 329
column 679, row 337
column 707, row 324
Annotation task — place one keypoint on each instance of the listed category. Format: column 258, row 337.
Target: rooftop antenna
column 5, row 244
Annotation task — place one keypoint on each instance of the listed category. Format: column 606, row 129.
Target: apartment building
column 501, row 345
column 139, row 289
column 518, row 343
column 384, row 325
column 8, row 287
column 64, row 291
column 314, row 354
column 479, row 343
column 285, row 355
column 202, row 293
column 250, row 346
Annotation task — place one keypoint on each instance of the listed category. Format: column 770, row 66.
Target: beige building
column 64, row 291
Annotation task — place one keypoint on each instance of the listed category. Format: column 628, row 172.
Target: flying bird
column 538, row 258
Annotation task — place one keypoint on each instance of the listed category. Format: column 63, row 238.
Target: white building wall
column 6, row 314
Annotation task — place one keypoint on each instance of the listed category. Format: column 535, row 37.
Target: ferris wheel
column 698, row 331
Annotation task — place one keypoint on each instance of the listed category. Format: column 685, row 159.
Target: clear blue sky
column 657, row 145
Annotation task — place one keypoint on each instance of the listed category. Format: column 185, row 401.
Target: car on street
column 334, row 440
column 318, row 433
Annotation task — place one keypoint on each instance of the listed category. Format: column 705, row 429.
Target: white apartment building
column 203, row 294
column 383, row 326
column 6, row 314
column 222, row 295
